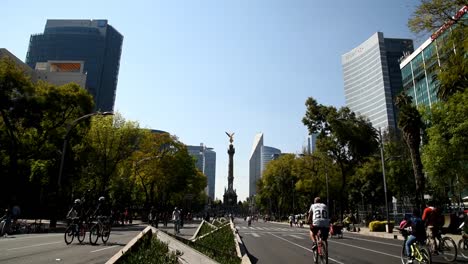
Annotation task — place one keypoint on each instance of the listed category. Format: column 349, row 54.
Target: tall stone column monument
column 230, row 196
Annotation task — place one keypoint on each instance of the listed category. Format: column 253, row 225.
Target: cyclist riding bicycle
column 100, row 208
column 432, row 218
column 417, row 233
column 318, row 219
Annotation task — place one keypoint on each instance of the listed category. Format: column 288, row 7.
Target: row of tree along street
column 105, row 155
column 347, row 166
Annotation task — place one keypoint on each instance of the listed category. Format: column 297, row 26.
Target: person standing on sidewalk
column 176, row 219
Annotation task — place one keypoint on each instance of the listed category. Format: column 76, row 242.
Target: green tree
column 346, row 138
column 398, row 167
column 277, row 185
column 110, row 141
column 444, row 156
column 409, row 121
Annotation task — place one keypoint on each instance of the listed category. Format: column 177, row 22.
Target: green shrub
column 149, row 251
column 379, row 226
column 219, row 245
column 205, row 229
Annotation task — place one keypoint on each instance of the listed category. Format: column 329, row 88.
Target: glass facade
column 205, row 160
column 419, row 68
column 372, row 78
column 95, row 42
column 268, row 154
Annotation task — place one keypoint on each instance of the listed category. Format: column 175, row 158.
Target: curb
column 240, row 247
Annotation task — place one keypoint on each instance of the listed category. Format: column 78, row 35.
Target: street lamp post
column 384, row 179
column 65, row 141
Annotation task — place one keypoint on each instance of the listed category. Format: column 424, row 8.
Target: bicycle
column 76, row 228
column 419, row 249
column 100, row 229
column 446, row 247
column 321, row 250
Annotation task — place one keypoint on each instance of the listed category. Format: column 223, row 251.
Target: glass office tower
column 205, row 160
column 372, row 78
column 95, row 42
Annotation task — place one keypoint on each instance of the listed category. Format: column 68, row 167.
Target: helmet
column 175, row 208
column 101, row 199
column 77, row 201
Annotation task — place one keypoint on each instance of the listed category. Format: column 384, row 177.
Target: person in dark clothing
column 417, row 233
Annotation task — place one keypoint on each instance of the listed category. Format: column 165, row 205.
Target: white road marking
column 9, row 239
column 334, row 260
column 260, row 228
column 104, row 248
column 298, row 237
column 371, row 250
column 255, row 235
column 37, row 245
column 378, row 242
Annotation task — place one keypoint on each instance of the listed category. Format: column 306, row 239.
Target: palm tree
column 409, row 121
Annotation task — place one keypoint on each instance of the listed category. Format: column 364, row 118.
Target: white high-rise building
column 372, row 78
column 259, row 157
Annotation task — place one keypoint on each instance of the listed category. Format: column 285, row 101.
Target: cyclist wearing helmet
column 76, row 210
column 101, row 209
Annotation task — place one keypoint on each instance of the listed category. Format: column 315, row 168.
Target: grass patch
column 220, row 222
column 205, row 229
column 149, row 251
column 219, row 246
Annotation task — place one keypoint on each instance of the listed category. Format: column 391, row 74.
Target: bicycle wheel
column 425, row 255
column 315, row 255
column 403, row 256
column 69, row 234
column 94, row 234
column 324, row 253
column 463, row 247
column 448, row 249
column 105, row 233
column 81, row 234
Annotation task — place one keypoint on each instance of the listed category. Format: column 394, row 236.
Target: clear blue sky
column 199, row 68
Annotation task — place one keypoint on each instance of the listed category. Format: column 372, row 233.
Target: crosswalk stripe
column 255, row 235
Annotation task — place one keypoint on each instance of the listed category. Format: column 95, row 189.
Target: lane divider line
column 334, row 260
column 104, row 248
column 375, row 241
column 37, row 245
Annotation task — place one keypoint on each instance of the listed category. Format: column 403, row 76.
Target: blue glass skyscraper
column 95, row 42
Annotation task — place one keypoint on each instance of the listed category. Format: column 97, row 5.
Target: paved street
column 51, row 248
column 279, row 243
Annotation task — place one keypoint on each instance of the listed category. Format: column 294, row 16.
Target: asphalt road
column 278, row 243
column 51, row 248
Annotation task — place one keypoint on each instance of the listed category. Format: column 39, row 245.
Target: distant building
column 260, row 156
column 94, row 42
column 54, row 72
column 268, row 154
column 61, row 72
column 419, row 68
column 206, row 162
column 311, row 143
column 372, row 78
column 4, row 53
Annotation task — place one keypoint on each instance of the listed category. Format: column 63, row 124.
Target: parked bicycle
column 321, row 251
column 420, row 251
column 446, row 247
column 101, row 228
column 75, row 229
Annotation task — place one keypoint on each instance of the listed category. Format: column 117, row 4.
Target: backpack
column 418, row 228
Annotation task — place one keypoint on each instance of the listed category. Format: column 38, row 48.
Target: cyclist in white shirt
column 318, row 219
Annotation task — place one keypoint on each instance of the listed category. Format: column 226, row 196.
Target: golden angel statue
column 231, row 136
